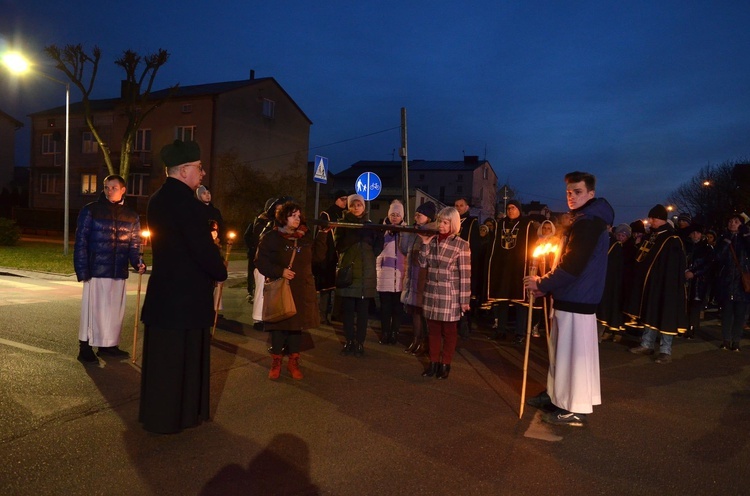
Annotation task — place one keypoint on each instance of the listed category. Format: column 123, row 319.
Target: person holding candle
column 576, row 284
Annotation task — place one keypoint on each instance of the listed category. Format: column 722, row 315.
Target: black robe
column 470, row 232
column 658, row 297
column 609, row 312
column 508, row 259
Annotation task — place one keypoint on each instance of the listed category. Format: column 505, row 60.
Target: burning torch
column 145, row 234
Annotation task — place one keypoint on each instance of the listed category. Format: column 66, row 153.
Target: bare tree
column 710, row 195
column 81, row 68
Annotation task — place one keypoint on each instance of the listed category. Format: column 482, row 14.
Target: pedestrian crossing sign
column 321, row 169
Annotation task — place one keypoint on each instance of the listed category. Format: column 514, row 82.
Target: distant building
column 443, row 180
column 8, row 128
column 254, row 120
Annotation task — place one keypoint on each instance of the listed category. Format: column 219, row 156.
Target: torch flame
column 231, row 235
column 145, row 233
column 544, row 249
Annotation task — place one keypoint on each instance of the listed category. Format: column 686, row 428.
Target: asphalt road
column 354, row 426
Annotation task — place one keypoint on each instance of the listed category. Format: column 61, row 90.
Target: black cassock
column 609, row 311
column 658, row 298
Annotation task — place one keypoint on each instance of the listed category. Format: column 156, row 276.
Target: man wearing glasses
column 178, row 309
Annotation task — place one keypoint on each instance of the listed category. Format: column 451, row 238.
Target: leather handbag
column 345, row 276
column 278, row 303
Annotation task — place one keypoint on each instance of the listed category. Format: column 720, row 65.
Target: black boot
column 413, row 345
column 394, row 337
column 385, row 337
column 445, row 369
column 359, row 349
column 86, row 353
column 348, row 348
column 431, row 369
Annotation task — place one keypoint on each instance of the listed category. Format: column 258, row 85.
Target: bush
column 10, row 233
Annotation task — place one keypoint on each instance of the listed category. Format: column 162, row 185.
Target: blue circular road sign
column 368, row 185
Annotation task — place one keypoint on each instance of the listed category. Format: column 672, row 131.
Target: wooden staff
column 134, row 355
column 230, row 239
column 324, row 224
column 532, row 273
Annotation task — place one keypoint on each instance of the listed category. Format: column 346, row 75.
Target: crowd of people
column 444, row 271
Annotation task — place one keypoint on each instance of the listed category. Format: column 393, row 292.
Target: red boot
column 293, row 366
column 275, row 367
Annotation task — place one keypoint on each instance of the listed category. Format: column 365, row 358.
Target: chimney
column 252, row 74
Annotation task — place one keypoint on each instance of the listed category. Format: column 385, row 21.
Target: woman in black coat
column 290, row 235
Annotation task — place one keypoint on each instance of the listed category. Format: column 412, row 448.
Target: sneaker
column 564, row 417
column 250, row 297
column 535, row 331
column 735, row 347
column 540, row 400
column 724, row 345
column 664, row 358
column 642, row 350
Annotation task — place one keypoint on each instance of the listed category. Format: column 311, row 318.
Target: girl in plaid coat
column 447, row 259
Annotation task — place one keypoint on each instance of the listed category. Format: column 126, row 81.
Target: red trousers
column 445, row 333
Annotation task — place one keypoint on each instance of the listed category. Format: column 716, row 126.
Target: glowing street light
column 17, row 64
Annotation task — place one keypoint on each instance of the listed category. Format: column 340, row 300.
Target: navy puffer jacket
column 108, row 237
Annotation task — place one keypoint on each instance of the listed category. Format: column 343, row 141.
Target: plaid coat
column 448, row 285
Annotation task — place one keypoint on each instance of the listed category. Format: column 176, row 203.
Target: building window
column 269, row 107
column 88, row 184
column 460, row 178
column 89, row 144
column 138, row 185
column 48, row 184
column 485, row 173
column 142, row 140
column 49, row 145
column 185, row 133
column 187, row 108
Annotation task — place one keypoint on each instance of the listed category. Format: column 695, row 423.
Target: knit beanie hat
column 623, row 228
column 685, row 217
column 353, row 198
column 428, row 210
column 515, row 203
column 658, row 212
column 396, row 207
column 637, row 227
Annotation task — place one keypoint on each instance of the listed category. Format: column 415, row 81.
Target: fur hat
column 658, row 212
column 396, row 207
column 624, row 228
column 353, row 198
column 180, row 152
column 199, row 191
column 637, row 227
column 428, row 210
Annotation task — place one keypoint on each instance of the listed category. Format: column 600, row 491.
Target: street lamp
column 17, row 64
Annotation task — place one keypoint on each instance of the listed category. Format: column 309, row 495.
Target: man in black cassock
column 658, row 299
column 178, row 310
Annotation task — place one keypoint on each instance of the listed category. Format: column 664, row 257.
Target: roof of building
column 102, row 105
column 13, row 121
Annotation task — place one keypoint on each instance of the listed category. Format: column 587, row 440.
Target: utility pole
column 405, row 164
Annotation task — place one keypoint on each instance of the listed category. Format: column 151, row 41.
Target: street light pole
column 18, row 64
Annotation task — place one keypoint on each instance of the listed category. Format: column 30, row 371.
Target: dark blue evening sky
column 641, row 93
